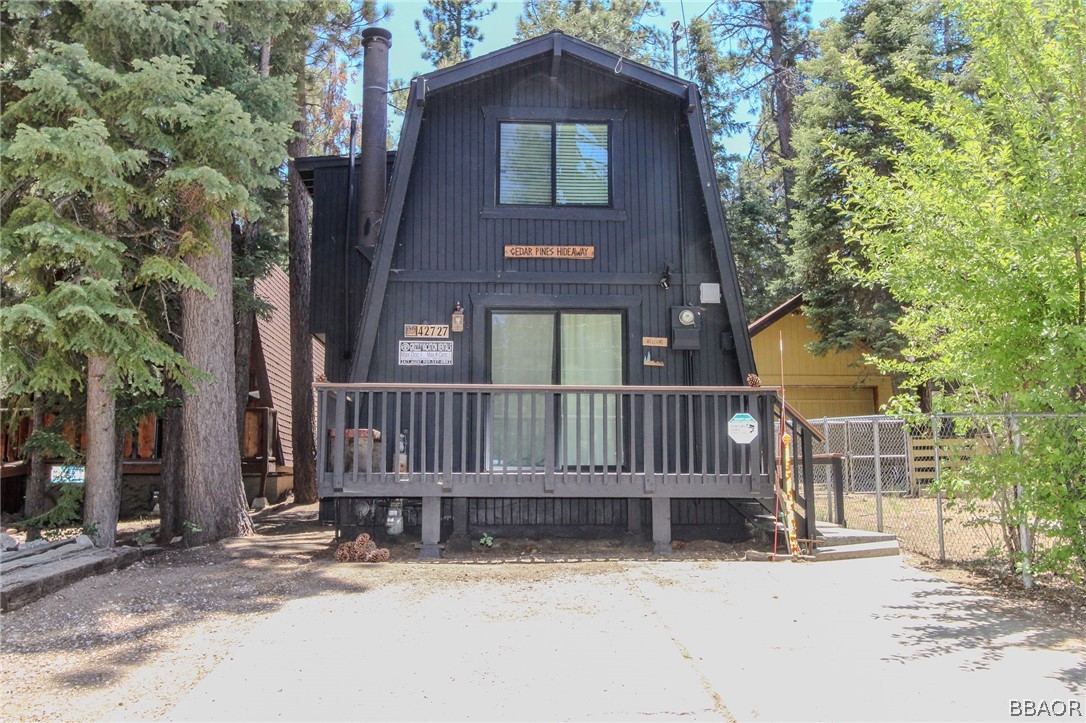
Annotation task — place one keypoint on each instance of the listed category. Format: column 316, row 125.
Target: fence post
column 878, row 473
column 829, row 470
column 1023, row 526
column 935, row 422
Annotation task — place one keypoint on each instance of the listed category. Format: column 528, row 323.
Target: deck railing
column 526, row 441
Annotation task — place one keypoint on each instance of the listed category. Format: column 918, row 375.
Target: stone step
column 855, row 551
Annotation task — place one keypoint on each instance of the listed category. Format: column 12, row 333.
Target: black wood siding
column 448, row 252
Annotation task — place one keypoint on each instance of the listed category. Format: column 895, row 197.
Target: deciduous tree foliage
column 979, row 231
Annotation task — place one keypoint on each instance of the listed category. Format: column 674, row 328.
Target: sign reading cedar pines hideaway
column 426, row 353
column 550, row 252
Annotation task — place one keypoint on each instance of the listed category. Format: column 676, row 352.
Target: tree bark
column 784, row 72
column 301, row 344
column 101, row 503
column 172, row 491
column 214, row 504
column 35, row 483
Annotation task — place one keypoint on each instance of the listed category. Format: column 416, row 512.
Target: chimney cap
column 375, row 32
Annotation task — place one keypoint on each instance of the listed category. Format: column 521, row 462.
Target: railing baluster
column 322, row 431
column 649, row 437
column 394, row 438
column 447, row 448
column 340, row 431
column 520, row 437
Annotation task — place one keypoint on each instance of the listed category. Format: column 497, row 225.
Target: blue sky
column 406, row 54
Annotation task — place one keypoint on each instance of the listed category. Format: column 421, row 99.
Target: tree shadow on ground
column 952, row 620
column 126, row 618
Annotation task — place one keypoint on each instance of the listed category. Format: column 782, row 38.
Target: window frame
column 494, row 116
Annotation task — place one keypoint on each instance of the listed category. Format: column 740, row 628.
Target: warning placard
column 426, row 353
column 743, row 428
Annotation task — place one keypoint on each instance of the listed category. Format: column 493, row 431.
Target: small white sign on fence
column 743, row 428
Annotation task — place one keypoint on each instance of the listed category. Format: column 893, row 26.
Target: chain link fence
column 902, row 477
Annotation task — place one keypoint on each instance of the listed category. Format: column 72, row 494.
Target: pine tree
column 118, row 176
column 617, row 25
column 883, row 35
column 767, row 39
column 451, row 30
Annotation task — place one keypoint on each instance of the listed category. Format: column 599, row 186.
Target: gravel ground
column 129, row 645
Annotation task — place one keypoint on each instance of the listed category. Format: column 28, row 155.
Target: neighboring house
column 540, row 328
column 267, row 465
column 838, row 384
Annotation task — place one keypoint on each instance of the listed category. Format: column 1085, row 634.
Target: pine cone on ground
column 344, row 552
column 362, row 548
column 379, row 555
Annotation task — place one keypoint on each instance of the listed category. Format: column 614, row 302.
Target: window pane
column 591, row 354
column 581, row 157
column 525, row 171
column 521, row 352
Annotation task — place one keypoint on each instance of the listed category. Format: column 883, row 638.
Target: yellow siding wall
column 835, row 385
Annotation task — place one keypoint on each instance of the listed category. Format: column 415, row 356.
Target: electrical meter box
column 686, row 323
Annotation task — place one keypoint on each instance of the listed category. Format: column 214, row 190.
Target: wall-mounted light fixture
column 457, row 321
column 665, row 278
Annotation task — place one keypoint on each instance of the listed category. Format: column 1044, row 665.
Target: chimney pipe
column 375, row 42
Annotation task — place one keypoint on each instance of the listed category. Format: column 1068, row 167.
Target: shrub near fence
column 909, row 478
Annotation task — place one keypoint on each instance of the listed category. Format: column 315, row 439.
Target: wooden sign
column 550, row 252
column 654, row 341
column 428, row 331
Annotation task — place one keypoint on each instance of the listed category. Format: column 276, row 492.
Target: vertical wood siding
column 445, row 245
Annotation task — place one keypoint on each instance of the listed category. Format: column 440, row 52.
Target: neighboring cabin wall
column 835, row 385
column 446, row 252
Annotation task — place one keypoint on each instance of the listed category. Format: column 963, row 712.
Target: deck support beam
column 431, row 529
column 661, row 525
column 633, row 520
column 459, row 541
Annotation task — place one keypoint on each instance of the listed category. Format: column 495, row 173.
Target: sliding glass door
column 555, row 347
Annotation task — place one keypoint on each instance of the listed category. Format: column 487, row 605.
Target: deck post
column 633, row 520
column 431, row 529
column 459, row 541
column 661, row 525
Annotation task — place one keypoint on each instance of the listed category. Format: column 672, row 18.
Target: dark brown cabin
column 541, row 330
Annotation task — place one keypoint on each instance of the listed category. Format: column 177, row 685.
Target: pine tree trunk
column 214, row 503
column 784, row 76
column 35, row 483
column 301, row 344
column 101, row 503
column 172, row 491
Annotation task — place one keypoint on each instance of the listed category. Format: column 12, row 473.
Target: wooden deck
column 501, row 441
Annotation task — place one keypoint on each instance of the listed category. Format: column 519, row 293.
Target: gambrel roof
column 557, row 45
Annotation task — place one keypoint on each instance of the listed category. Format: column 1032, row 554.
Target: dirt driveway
column 270, row 628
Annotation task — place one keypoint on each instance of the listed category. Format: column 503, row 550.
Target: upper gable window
column 554, row 164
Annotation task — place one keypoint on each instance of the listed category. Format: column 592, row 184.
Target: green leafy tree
column 617, row 25
column 451, row 30
column 978, row 232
